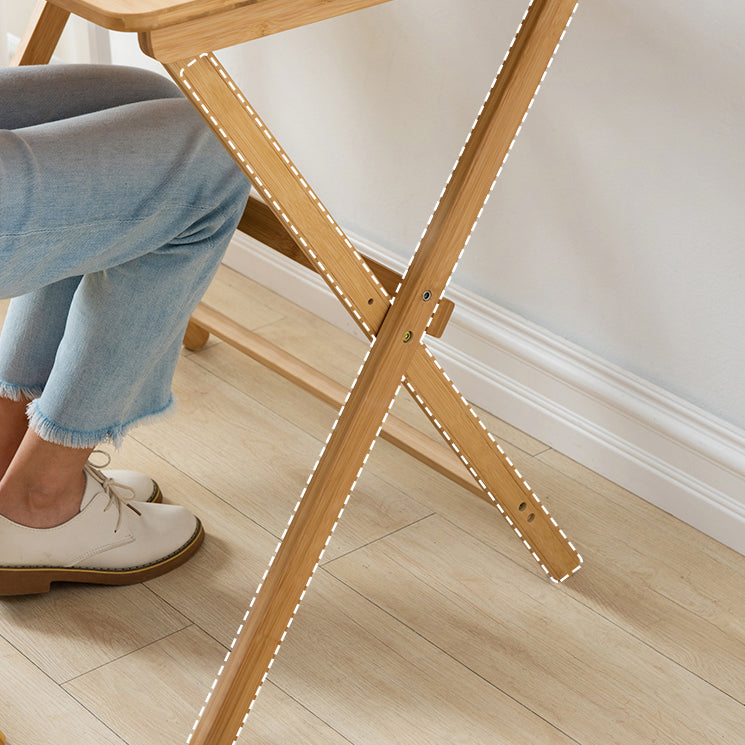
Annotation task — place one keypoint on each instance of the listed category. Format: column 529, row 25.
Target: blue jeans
column 116, row 206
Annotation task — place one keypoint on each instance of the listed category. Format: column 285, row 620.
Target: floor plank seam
column 94, row 715
column 126, row 654
column 61, row 687
column 30, row 661
column 501, row 524
column 379, row 538
column 161, row 599
column 448, row 654
column 206, row 488
column 311, row 712
column 628, row 632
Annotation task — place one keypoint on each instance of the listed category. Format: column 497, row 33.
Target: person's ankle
column 13, row 427
column 42, row 505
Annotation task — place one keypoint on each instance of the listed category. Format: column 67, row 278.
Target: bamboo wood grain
column 142, row 15
column 396, row 431
column 317, row 513
column 522, row 508
column 196, row 336
column 396, row 326
column 225, row 112
column 450, row 226
column 145, row 15
column 261, row 223
column 391, row 353
column 50, row 21
column 41, row 35
column 242, row 24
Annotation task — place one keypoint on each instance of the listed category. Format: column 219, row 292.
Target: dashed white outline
column 269, row 197
column 446, row 436
column 363, row 324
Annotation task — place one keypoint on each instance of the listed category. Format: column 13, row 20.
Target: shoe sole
column 37, row 580
column 156, row 496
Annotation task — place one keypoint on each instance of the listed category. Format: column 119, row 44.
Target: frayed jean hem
column 20, row 392
column 52, row 432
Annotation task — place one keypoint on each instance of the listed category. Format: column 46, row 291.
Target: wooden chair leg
column 41, row 35
column 196, row 336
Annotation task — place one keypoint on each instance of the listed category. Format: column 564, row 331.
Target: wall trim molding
column 672, row 454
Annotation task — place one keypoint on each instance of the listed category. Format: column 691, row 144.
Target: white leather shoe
column 110, row 541
column 141, row 487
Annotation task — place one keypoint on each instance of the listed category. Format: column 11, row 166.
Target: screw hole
column 370, row 301
column 522, row 507
column 531, row 517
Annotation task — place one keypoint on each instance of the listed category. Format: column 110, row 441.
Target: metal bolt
column 427, row 295
column 408, row 337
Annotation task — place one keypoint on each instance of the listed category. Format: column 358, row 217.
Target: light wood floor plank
column 34, row 709
column 242, row 298
column 263, row 465
column 436, row 626
column 165, row 684
column 151, row 696
column 268, row 389
column 559, row 658
column 667, row 583
column 378, row 682
column 77, row 628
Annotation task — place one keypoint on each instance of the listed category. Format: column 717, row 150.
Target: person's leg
column 141, row 200
column 47, row 93
column 13, row 426
column 44, row 483
column 35, row 322
column 33, row 329
column 45, row 480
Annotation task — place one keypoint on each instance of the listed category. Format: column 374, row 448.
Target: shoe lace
column 111, row 487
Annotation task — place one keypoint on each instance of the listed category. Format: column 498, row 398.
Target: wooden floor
column 428, row 622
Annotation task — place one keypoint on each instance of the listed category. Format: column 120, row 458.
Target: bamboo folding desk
column 396, row 313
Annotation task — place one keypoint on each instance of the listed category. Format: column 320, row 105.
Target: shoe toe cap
column 150, row 534
column 142, row 485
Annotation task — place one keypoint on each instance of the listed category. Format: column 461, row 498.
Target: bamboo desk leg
column 396, row 355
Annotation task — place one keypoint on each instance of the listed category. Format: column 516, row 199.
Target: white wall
column 74, row 46
column 617, row 225
column 619, row 222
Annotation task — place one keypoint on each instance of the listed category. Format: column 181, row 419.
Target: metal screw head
column 408, row 337
column 427, row 295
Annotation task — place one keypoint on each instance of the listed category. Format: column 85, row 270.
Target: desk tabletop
column 143, row 15
column 147, row 15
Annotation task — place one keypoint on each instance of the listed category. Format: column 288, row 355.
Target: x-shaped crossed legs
column 397, row 355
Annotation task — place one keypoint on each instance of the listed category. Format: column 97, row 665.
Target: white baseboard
column 672, row 454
